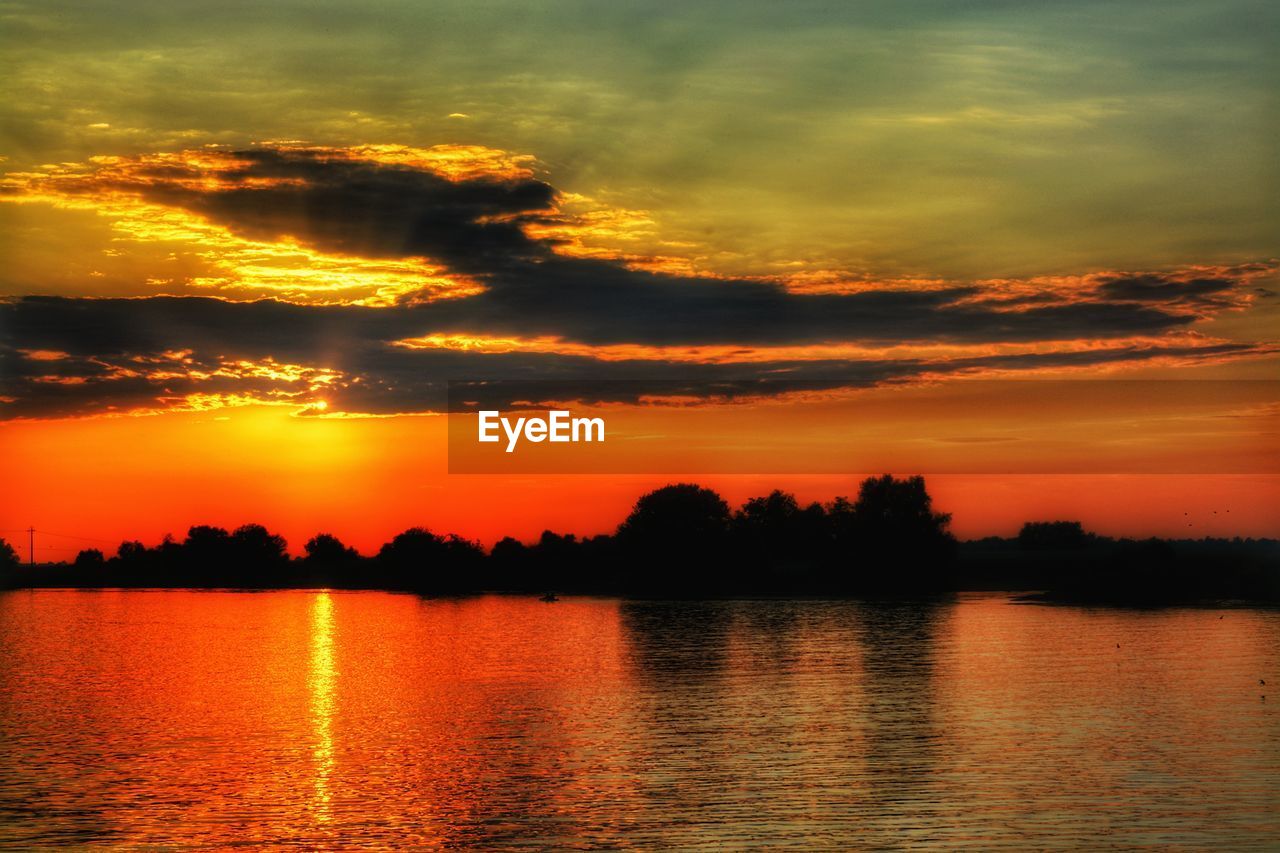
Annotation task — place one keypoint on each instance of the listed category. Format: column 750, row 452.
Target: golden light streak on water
column 321, row 683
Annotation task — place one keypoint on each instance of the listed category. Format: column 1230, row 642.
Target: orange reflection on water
column 335, row 720
column 321, row 680
column 1134, row 708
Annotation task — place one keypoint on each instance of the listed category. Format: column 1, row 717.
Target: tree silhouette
column 419, row 559
column 253, row 543
column 557, row 559
column 677, row 515
column 1047, row 535
column 136, row 565
column 898, row 509
column 8, row 556
column 679, row 531
column 780, row 540
column 257, row 557
column 328, row 562
column 207, row 554
column 130, row 550
column 416, row 547
column 892, row 523
column 761, row 522
column 90, row 567
column 327, row 550
column 511, row 566
column 842, row 525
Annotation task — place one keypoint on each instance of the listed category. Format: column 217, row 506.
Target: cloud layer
column 485, row 223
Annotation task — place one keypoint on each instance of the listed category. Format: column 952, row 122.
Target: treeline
column 1064, row 562
column 685, row 540
column 679, row 539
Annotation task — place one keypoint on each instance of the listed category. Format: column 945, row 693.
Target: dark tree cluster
column 889, row 539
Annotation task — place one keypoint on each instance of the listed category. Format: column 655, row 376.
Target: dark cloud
column 473, row 226
column 599, row 302
column 355, row 207
column 1207, row 292
column 126, row 353
column 63, row 357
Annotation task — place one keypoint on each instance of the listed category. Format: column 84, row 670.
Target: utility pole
column 31, row 545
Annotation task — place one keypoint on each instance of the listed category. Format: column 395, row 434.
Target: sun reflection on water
column 321, row 680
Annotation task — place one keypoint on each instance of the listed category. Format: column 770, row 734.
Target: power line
column 82, row 538
column 31, row 540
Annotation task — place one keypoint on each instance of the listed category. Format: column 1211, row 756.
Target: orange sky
column 366, row 479
column 180, row 308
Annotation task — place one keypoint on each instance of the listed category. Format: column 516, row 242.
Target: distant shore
column 1104, row 572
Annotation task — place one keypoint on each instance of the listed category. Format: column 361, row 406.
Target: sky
column 246, row 246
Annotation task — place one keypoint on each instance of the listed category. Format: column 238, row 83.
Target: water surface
column 345, row 719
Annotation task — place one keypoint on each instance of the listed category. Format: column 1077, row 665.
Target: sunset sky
column 246, row 246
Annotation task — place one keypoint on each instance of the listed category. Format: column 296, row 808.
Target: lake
column 345, row 719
